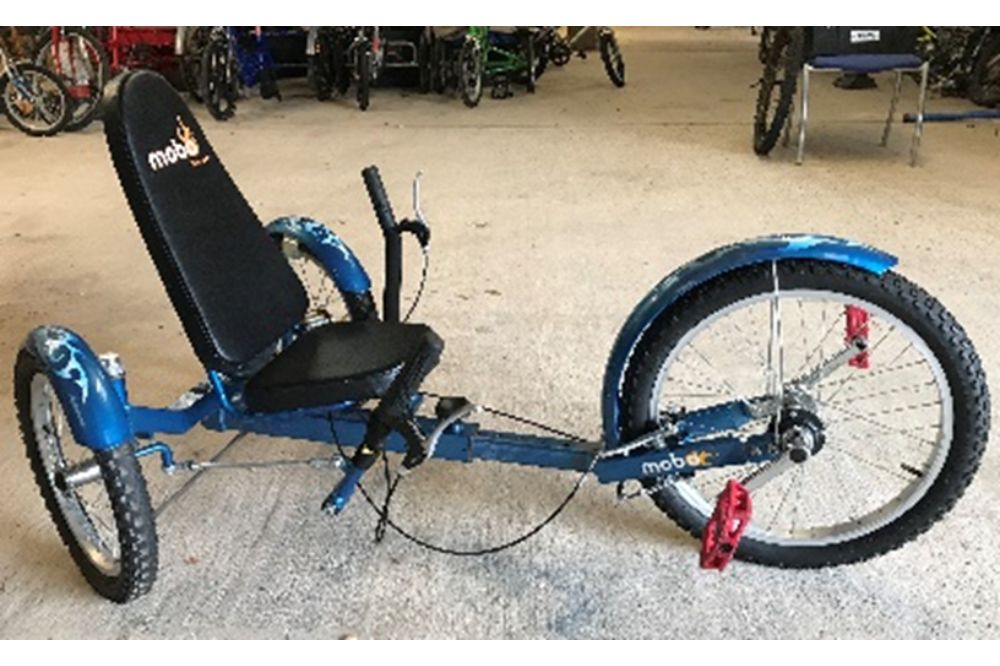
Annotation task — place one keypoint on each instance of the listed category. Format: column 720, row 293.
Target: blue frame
column 101, row 416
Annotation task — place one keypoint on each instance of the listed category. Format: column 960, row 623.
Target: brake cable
column 392, row 484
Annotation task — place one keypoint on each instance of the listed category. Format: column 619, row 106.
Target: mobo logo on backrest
column 184, row 146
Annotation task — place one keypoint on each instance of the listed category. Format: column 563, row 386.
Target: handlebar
column 380, row 201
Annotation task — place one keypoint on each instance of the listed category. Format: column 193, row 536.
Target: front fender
column 705, row 268
column 93, row 407
column 341, row 264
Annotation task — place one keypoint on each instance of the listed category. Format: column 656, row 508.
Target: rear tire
column 120, row 571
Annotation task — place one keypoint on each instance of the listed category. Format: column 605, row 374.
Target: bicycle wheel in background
column 470, row 73
column 984, row 82
column 611, row 55
column 425, row 47
column 364, row 75
column 35, row 100
column 80, row 61
column 219, row 78
column 776, row 88
column 195, row 41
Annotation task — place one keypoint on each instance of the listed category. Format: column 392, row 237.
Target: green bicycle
column 467, row 59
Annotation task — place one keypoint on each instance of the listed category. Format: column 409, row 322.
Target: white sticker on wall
column 863, row 36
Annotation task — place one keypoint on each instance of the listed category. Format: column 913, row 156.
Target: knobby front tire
column 903, row 437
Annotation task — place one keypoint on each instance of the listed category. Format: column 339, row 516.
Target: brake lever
column 418, row 227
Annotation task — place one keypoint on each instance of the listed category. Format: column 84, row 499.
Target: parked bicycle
column 359, row 56
column 235, row 59
column 77, row 56
column 557, row 49
column 35, row 100
column 468, row 59
column 964, row 62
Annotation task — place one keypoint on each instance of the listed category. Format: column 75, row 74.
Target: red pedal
column 857, row 327
column 726, row 526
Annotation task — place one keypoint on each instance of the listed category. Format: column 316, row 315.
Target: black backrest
column 230, row 284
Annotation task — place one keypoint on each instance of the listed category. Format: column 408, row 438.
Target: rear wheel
column 79, row 60
column 776, row 89
column 35, row 100
column 107, row 524
column 898, row 440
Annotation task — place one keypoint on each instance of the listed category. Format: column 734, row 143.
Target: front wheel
column 897, row 433
column 107, row 523
column 611, row 55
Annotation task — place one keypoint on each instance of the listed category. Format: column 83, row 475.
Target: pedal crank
column 725, row 528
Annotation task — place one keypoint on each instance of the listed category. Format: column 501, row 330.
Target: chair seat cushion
column 868, row 63
column 351, row 361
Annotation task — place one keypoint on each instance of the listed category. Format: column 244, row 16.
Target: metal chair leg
column 892, row 108
column 803, row 113
column 918, row 129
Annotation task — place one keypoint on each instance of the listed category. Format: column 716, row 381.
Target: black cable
column 423, row 281
column 385, row 520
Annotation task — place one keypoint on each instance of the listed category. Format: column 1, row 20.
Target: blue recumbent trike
column 797, row 375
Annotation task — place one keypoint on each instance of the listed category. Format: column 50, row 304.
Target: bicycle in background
column 35, row 100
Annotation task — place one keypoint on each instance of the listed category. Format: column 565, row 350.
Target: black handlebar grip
column 376, row 192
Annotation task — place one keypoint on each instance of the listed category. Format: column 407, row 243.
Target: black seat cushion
column 232, row 288
column 334, row 363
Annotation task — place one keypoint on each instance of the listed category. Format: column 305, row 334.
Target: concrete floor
column 553, row 214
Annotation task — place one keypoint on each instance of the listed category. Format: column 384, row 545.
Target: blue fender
column 93, row 406
column 705, row 268
column 340, row 263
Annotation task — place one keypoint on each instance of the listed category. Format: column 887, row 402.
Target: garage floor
column 553, row 214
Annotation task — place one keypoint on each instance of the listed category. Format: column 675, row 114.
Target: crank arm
column 811, row 379
column 768, row 473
